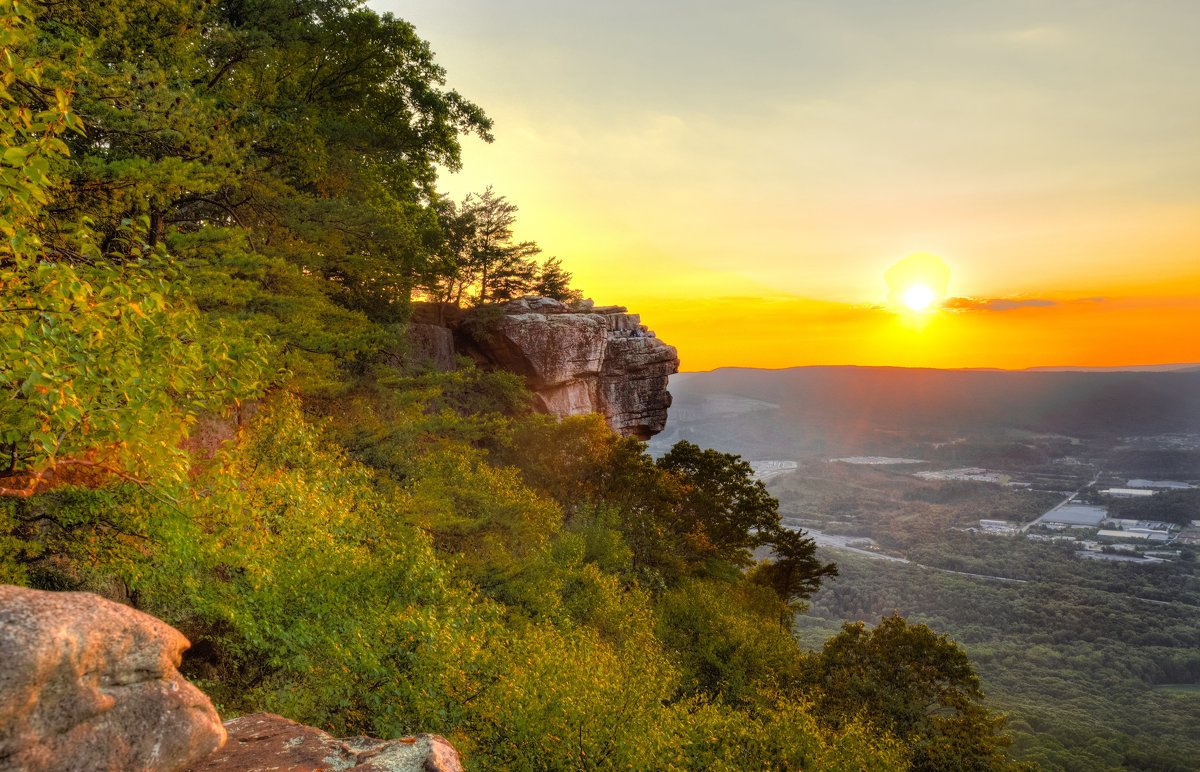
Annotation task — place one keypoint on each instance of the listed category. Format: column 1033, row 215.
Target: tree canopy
column 919, row 685
column 480, row 262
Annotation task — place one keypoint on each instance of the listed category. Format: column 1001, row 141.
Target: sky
column 748, row 176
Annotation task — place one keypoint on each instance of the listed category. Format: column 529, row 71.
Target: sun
column 917, row 284
column 918, row 297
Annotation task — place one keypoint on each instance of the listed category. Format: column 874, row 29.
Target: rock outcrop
column 431, row 345
column 577, row 359
column 86, row 683
column 263, row 741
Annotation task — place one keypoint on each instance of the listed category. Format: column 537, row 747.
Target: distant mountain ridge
column 1185, row 367
column 808, row 409
column 1179, row 367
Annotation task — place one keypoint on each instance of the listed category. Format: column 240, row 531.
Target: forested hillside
column 215, row 216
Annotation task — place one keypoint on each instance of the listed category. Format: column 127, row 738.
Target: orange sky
column 746, row 180
column 783, row 332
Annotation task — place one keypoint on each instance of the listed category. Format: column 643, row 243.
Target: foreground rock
column 577, row 359
column 264, row 741
column 88, row 684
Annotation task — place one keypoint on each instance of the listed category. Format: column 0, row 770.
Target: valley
column 1063, row 561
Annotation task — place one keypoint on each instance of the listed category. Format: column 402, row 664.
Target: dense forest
column 1095, row 662
column 1092, row 677
column 216, row 215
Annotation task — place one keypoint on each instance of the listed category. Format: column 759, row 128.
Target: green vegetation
column 480, row 262
column 1095, row 663
column 1179, row 507
column 214, row 217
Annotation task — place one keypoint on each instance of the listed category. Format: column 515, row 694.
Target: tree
column 492, row 264
column 103, row 359
column 480, row 262
column 793, row 572
column 553, row 281
column 724, row 512
column 286, row 150
column 916, row 684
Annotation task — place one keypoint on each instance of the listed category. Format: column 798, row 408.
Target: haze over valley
column 1047, row 520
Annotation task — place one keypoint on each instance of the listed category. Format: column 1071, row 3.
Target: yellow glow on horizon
column 778, row 331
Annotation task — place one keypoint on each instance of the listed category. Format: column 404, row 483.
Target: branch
column 38, row 478
column 237, row 59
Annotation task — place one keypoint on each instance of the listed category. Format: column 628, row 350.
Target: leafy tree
column 724, row 637
column 480, row 261
column 451, row 273
column 287, row 150
column 304, row 592
column 915, row 684
column 570, row 699
column 780, row 732
column 553, row 281
column 725, row 512
column 481, row 253
column 793, row 572
column 103, row 360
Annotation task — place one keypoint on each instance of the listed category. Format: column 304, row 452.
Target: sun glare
column 918, row 297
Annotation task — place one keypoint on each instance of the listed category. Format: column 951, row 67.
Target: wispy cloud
column 1041, row 36
column 996, row 304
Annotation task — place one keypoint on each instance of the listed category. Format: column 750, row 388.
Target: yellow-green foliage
column 377, row 551
column 570, row 699
column 318, row 598
column 781, row 734
column 103, row 358
column 727, row 639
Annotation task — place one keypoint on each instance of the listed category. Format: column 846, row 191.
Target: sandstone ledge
column 577, row 359
column 264, row 741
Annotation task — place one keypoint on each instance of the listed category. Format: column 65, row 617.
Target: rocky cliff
column 576, row 359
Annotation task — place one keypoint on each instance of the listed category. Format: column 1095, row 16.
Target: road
column 842, row 543
column 834, row 541
column 1062, row 503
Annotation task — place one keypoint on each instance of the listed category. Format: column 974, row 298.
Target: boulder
column 263, row 741
column 633, row 385
column 88, row 684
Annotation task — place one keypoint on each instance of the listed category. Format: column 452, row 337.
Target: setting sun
column 918, row 297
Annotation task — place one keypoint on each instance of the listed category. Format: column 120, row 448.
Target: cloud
column 996, row 304
column 1042, row 36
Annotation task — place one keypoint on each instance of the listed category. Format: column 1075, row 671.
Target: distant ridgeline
column 845, row 407
column 578, row 358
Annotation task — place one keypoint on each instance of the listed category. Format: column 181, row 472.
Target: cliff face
column 576, row 359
